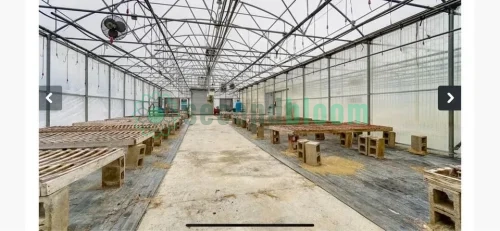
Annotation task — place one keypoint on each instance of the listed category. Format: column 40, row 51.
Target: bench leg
column 260, row 132
column 54, row 210
column 113, row 174
column 149, row 145
column 157, row 138
column 135, row 156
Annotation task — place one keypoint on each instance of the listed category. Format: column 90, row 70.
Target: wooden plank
column 68, row 166
column 340, row 128
column 110, row 127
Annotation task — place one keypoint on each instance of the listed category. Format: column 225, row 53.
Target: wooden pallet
column 105, row 127
column 328, row 128
column 55, row 140
column 60, row 167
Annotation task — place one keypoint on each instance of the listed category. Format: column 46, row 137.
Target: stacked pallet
column 69, row 153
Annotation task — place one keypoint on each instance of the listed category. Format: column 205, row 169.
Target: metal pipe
column 182, row 20
column 285, row 37
column 109, row 92
column 92, row 54
column 385, row 30
column 86, row 88
column 451, row 79
column 304, row 92
column 329, row 90
column 135, row 100
column 47, row 82
column 124, row 95
column 274, row 96
column 368, row 81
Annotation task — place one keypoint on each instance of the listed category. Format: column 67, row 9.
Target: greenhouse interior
column 282, row 114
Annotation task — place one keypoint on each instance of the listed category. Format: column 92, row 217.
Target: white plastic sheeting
column 98, row 108
column 67, row 69
column 129, row 107
column 261, row 104
column 73, row 111
column 116, row 108
column 316, row 90
column 295, row 93
column 98, row 78
column 117, row 88
column 129, row 87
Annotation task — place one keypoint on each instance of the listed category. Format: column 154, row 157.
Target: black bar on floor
column 249, row 225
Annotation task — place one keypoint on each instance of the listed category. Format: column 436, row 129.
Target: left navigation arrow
column 48, row 97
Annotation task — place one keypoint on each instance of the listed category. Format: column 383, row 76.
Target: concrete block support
column 363, row 144
column 301, row 148
column 312, row 153
column 390, row 139
column 275, row 137
column 113, row 174
column 54, row 210
column 292, row 142
column 149, row 145
column 319, row 136
column 346, row 139
column 418, row 145
column 376, row 147
column 135, row 156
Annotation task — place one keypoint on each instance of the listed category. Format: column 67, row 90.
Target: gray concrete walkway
column 218, row 176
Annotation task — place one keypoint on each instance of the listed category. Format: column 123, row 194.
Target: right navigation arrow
column 451, row 97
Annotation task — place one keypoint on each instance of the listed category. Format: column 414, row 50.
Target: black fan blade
column 113, row 33
column 110, row 23
column 120, row 26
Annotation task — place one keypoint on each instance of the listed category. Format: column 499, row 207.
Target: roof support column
column 86, row 88
column 47, row 83
column 451, row 82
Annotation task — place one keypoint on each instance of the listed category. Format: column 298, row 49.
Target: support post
column 286, row 95
column 109, row 92
column 47, row 88
column 124, row 96
column 86, row 88
column 304, row 92
column 368, row 82
column 329, row 107
column 135, row 103
column 451, row 79
column 142, row 99
column 274, row 96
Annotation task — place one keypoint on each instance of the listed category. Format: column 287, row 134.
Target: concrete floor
column 218, row 176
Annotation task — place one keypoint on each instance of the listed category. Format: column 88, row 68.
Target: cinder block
column 53, row 210
column 390, row 139
column 438, row 216
column 157, row 139
column 135, row 156
column 376, row 147
column 149, row 145
column 292, row 142
column 260, row 132
column 301, row 148
column 312, row 153
column 165, row 133
column 319, row 136
column 113, row 174
column 363, row 144
column 446, row 200
column 355, row 136
column 243, row 123
column 275, row 137
column 418, row 145
column 346, row 139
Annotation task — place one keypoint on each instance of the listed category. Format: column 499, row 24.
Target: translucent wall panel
column 139, row 108
column 116, row 84
column 261, row 95
column 41, row 119
column 295, row 93
column 243, row 99
column 98, row 79
column 348, row 85
column 67, row 69
column 116, row 108
column 280, row 95
column 316, row 90
column 404, row 82
column 138, row 89
column 253, row 107
column 129, row 107
column 98, row 108
column 129, row 87
column 73, row 111
column 269, row 91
